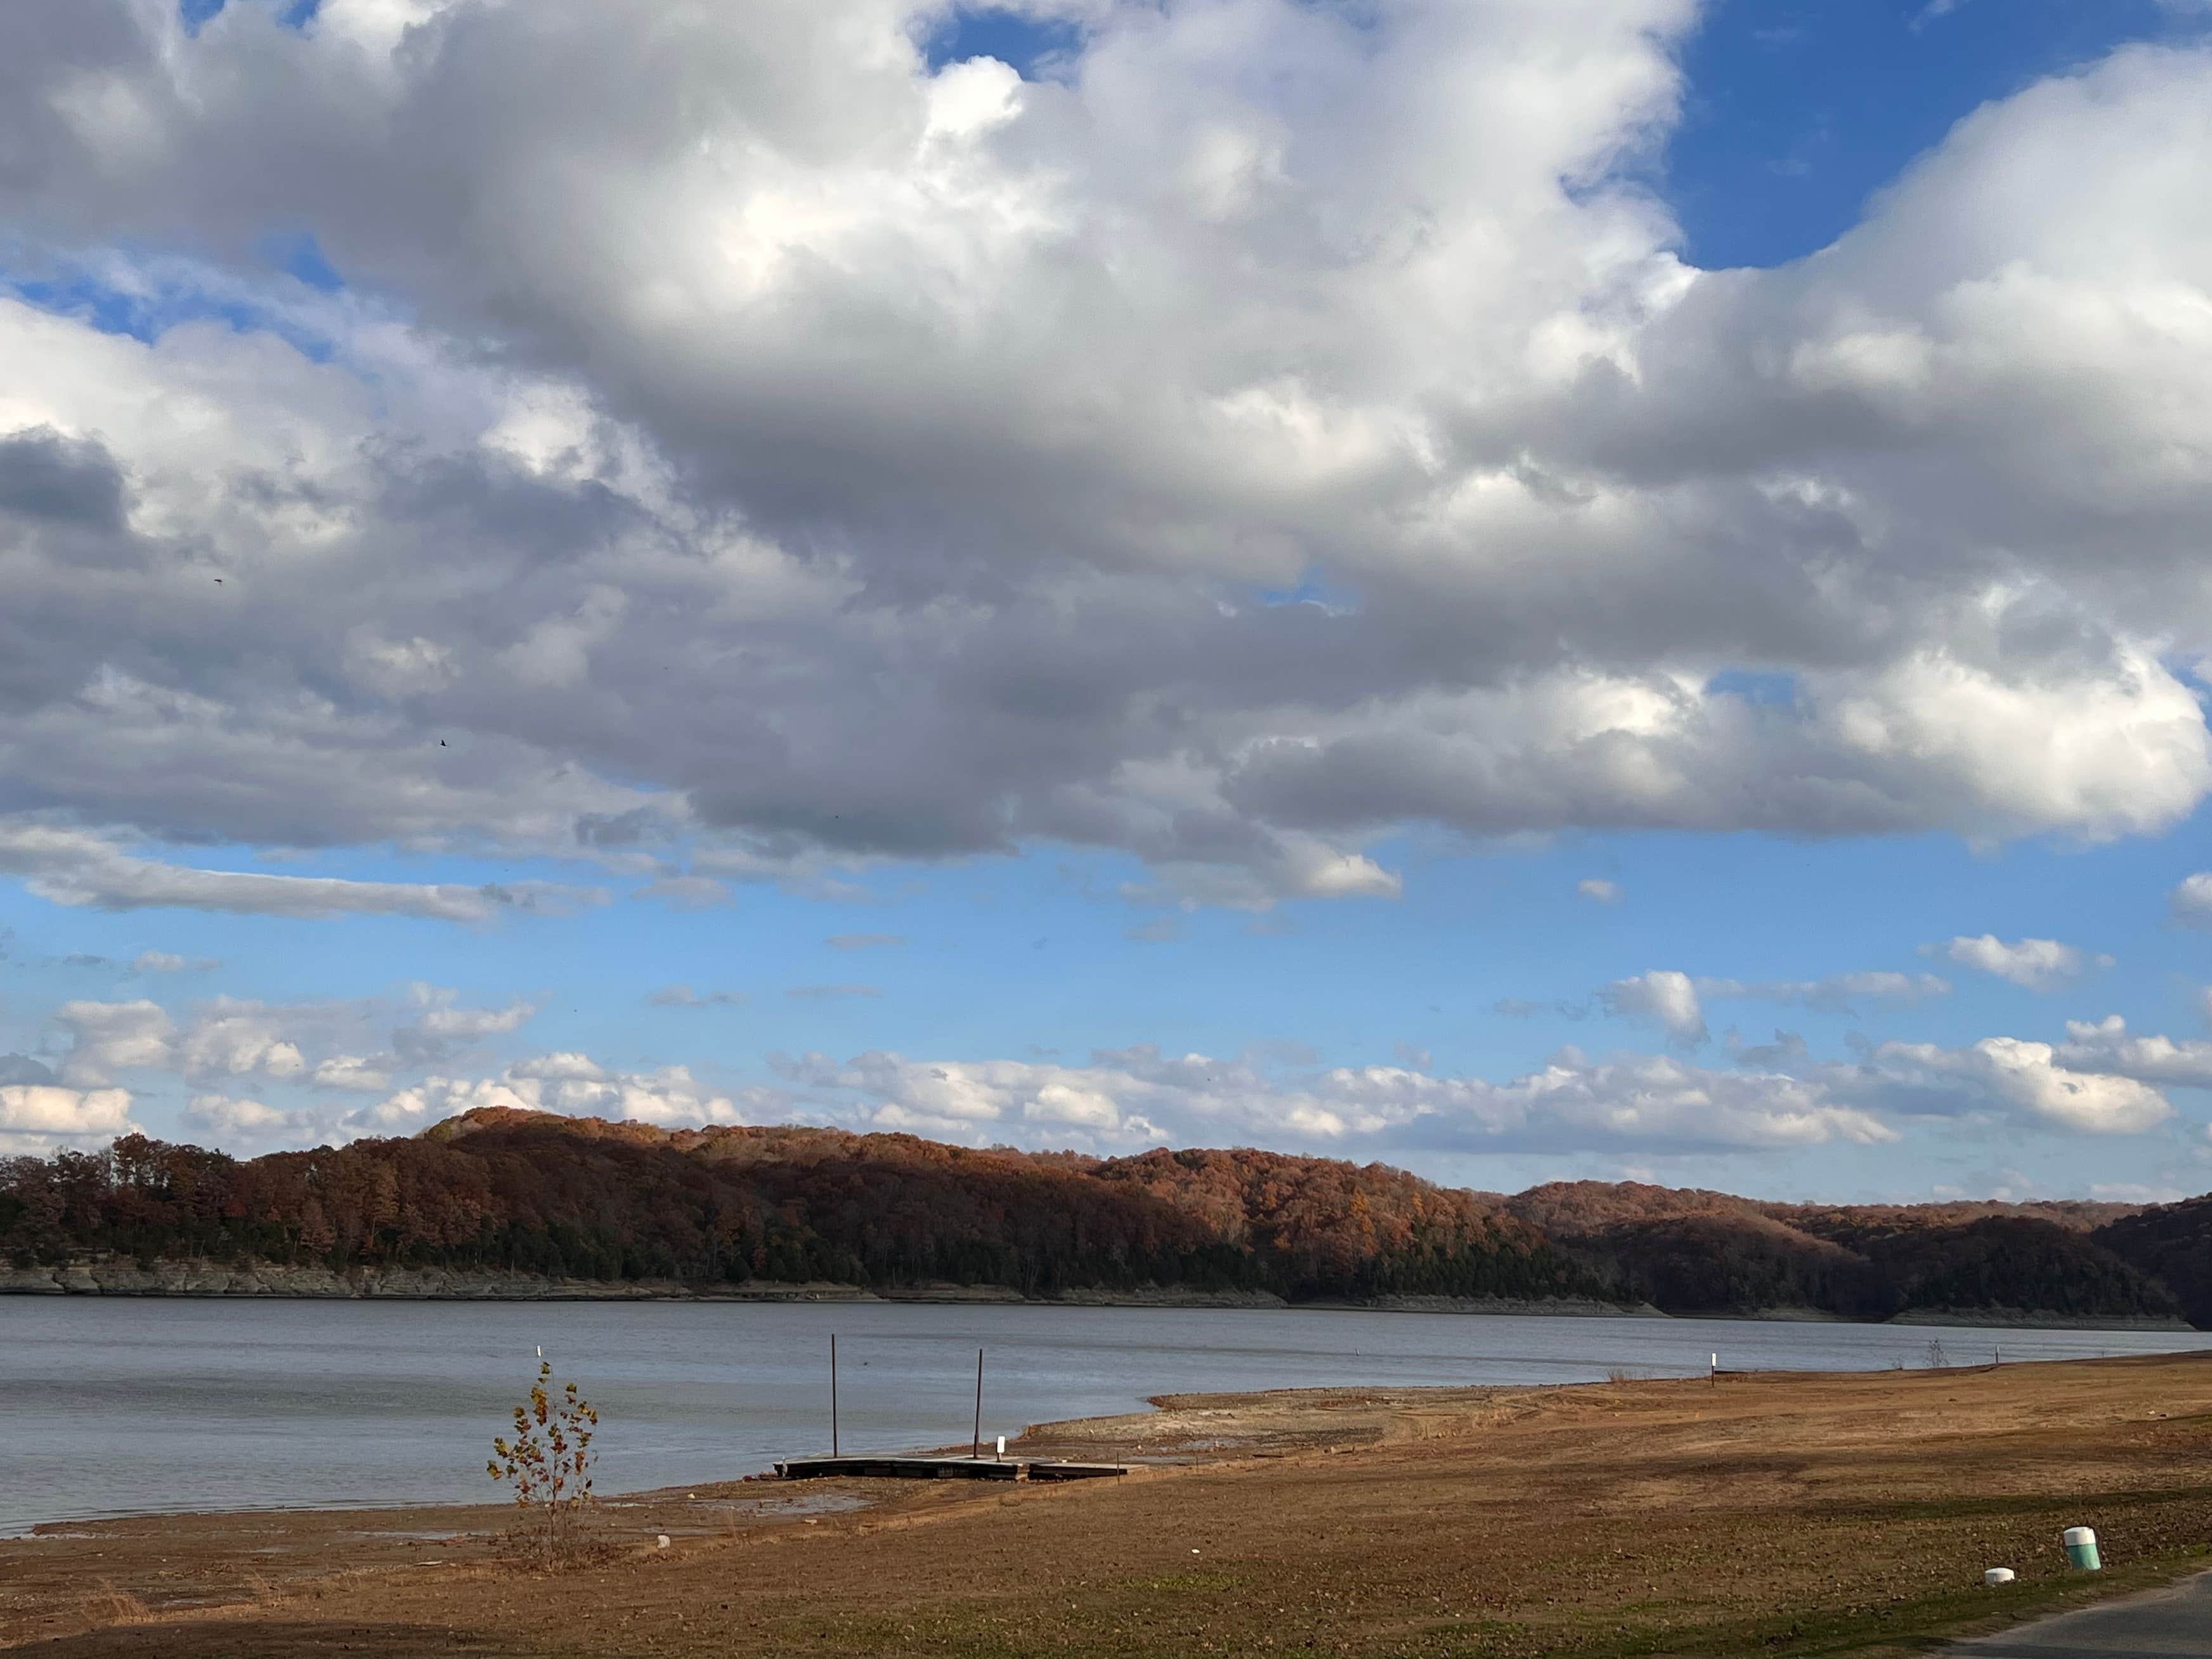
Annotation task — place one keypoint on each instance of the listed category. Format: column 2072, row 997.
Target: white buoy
column 2081, row 1548
column 1999, row 1575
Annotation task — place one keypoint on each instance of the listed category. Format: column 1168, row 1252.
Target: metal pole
column 833, row 1395
column 976, row 1446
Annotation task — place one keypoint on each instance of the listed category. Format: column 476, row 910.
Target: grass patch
column 1908, row 1625
column 1150, row 1619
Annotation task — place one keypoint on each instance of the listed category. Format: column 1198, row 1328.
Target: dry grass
column 111, row 1605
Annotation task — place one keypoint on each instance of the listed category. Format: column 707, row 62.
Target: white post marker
column 1002, row 1448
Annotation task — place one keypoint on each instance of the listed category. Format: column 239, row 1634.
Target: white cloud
column 569, row 1083
column 39, row 1117
column 440, row 1029
column 437, row 1098
column 107, row 1037
column 2038, row 964
column 2031, row 1079
column 2109, row 1046
column 233, row 1123
column 310, row 1043
column 239, row 1039
column 2191, row 902
column 355, row 1074
column 71, row 867
column 1599, row 890
column 1665, row 995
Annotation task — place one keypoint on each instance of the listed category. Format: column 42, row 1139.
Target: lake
column 124, row 1406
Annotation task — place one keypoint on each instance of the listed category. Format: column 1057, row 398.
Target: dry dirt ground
column 1770, row 1515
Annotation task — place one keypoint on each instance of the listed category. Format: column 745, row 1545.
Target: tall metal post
column 976, row 1446
column 833, row 1395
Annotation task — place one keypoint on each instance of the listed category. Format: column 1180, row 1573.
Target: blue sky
column 738, row 663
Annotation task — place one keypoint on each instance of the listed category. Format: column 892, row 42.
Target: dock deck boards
column 892, row 1468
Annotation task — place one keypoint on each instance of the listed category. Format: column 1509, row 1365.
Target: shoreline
column 210, row 1281
column 1173, row 1429
column 213, row 1280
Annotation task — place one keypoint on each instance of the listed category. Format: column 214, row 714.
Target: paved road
column 2177, row 1621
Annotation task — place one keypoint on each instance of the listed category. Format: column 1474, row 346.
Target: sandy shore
column 1774, row 1514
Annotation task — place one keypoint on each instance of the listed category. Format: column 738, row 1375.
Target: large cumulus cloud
column 1282, row 425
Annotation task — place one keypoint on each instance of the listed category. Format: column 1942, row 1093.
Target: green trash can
column 2081, row 1549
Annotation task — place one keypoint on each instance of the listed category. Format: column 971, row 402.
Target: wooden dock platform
column 891, row 1467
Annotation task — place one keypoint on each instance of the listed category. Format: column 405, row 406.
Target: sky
column 1526, row 589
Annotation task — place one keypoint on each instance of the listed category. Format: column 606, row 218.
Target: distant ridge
column 503, row 1200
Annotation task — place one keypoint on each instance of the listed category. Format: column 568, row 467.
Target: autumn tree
column 548, row 1460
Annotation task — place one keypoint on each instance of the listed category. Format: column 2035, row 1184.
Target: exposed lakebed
column 122, row 1407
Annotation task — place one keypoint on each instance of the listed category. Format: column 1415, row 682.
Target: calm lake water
column 112, row 1408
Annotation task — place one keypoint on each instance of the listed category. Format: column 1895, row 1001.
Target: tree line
column 521, row 1193
column 525, row 1192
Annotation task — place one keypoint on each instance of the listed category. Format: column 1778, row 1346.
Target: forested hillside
column 519, row 1193
column 1689, row 1251
column 580, row 1198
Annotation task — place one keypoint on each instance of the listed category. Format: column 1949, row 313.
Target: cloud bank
column 1284, row 425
